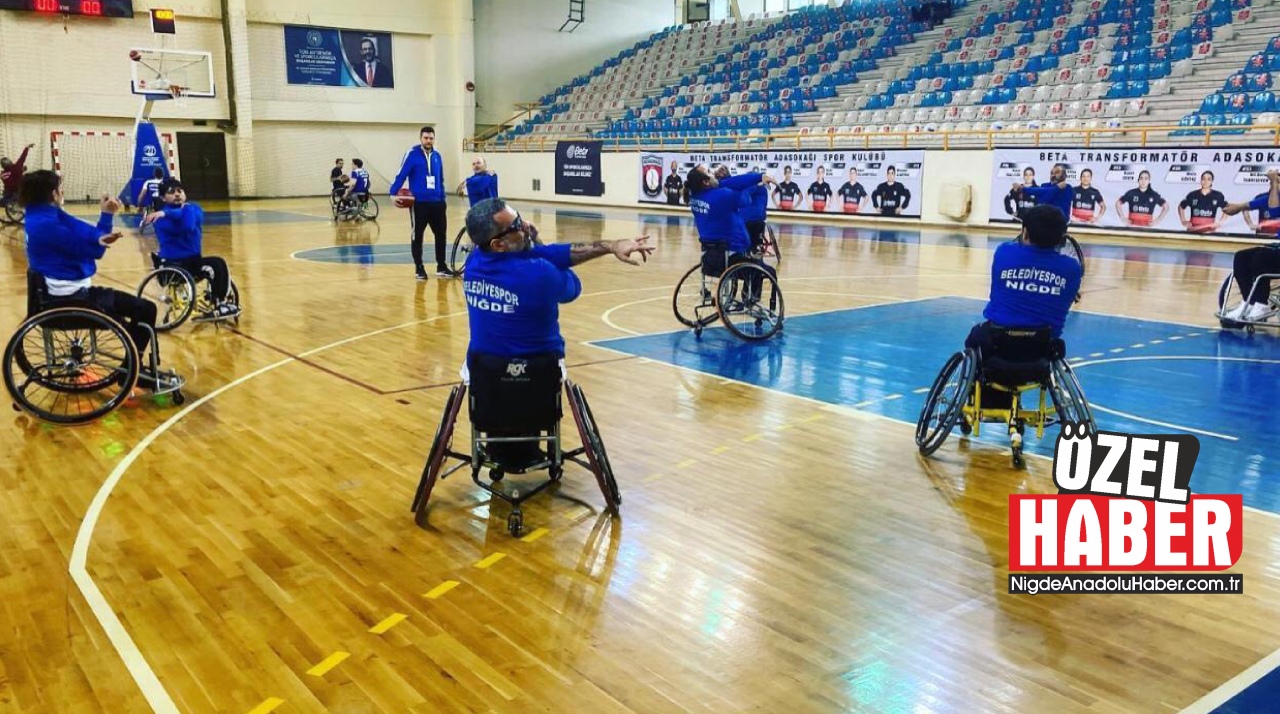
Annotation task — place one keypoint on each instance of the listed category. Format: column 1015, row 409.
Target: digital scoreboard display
column 92, row 8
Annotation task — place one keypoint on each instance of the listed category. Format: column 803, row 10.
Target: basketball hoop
column 179, row 94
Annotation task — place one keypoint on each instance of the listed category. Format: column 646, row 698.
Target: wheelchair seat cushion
column 514, row 395
column 1007, row 373
column 714, row 256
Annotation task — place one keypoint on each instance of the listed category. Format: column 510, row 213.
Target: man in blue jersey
column 180, row 231
column 754, row 209
column 514, row 287
column 1032, row 284
column 360, row 181
column 481, row 184
column 1251, row 263
column 1055, row 192
column 423, row 169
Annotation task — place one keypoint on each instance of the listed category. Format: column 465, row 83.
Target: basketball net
column 179, row 94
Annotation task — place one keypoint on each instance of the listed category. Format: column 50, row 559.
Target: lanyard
column 428, row 155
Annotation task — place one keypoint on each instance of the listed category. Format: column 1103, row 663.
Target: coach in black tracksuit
column 891, row 197
column 423, row 168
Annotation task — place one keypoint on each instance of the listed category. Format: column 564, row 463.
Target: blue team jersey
column 361, row 179
column 716, row 216
column 63, row 247
column 1032, row 287
column 481, row 187
column 180, row 231
column 1259, row 203
column 513, row 300
column 1048, row 194
column 424, row 173
column 755, row 203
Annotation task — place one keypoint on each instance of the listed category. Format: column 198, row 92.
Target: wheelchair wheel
column 439, row 447
column 1072, row 248
column 70, row 365
column 462, row 246
column 589, row 432
column 174, row 292
column 945, row 402
column 750, row 303
column 693, row 305
column 1068, row 397
column 369, row 209
column 770, row 252
column 13, row 213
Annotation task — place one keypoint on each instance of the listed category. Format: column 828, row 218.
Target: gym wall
column 73, row 75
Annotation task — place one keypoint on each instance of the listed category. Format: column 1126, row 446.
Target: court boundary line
column 1205, row 704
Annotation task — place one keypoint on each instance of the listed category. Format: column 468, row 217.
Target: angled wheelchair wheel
column 750, row 303
column 1072, row 248
column 693, row 304
column 13, row 213
column 369, row 209
column 462, row 246
column 439, row 448
column 589, row 432
column 945, row 401
column 70, row 365
column 1068, row 397
column 173, row 290
column 770, row 252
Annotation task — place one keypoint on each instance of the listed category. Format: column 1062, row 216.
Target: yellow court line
column 752, row 437
column 719, row 450
column 536, row 534
column 489, row 561
column 267, row 705
column 328, row 663
column 388, row 623
column 815, row 417
column 441, row 589
column 651, row 478
column 686, row 463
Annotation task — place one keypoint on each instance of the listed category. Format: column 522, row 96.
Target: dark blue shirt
column 63, row 247
column 513, row 300
column 1259, row 203
column 1032, row 287
column 715, row 212
column 755, row 203
column 415, row 169
column 1048, row 194
column 481, row 187
column 180, row 231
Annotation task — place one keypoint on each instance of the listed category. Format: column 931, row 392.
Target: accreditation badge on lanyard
column 431, row 179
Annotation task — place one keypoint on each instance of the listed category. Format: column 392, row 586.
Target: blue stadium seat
column 1119, row 73
column 1159, row 70
column 1262, row 102
column 1137, row 72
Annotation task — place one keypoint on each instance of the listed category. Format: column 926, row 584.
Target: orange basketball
column 404, row 198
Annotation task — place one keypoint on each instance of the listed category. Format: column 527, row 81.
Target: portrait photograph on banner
column 338, row 58
column 885, row 183
column 1143, row 190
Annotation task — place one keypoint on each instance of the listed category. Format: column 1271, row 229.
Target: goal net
column 94, row 164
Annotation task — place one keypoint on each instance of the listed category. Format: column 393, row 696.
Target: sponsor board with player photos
column 865, row 183
column 1142, row 190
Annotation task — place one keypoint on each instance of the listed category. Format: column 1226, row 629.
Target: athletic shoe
column 422, row 274
column 1257, row 312
column 1236, row 313
column 445, row 273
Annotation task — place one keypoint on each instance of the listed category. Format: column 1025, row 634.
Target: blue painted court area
column 1261, row 696
column 360, row 254
column 221, row 218
column 1142, row 376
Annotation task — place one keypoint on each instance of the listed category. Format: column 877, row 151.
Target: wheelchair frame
column 596, row 460
column 350, row 209
column 723, row 300
column 167, row 382
column 462, row 247
column 962, row 405
column 203, row 300
column 1250, row 326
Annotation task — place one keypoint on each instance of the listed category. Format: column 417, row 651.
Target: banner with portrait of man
column 338, row 58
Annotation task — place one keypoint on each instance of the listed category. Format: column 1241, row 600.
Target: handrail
column 869, row 140
column 525, row 108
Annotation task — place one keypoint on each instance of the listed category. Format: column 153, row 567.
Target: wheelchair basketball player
column 1032, row 284
column 1252, row 264
column 716, row 203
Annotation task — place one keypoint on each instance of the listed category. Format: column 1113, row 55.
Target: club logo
column 149, row 151
column 314, row 38
column 575, row 152
column 517, row 369
column 651, row 175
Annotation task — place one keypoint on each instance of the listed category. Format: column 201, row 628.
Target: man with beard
column 1055, row 192
column 1140, row 204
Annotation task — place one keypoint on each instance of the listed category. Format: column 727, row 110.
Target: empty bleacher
column 864, row 69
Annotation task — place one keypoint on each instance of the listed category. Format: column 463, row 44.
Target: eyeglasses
column 517, row 225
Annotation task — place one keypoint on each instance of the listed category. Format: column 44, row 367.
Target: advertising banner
column 578, row 169
column 1129, row 189
column 338, row 58
column 867, row 183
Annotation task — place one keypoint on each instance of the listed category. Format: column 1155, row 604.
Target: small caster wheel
column 697, row 332
column 1250, row 329
column 555, row 472
column 16, row 408
column 515, row 523
column 495, row 475
column 965, row 427
column 179, row 399
column 1018, row 461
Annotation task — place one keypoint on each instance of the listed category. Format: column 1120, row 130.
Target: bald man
column 482, row 184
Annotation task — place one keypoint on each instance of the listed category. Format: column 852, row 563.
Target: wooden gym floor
column 774, row 553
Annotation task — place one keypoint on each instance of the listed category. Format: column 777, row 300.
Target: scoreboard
column 92, row 8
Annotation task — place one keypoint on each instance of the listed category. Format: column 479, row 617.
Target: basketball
column 135, row 55
column 1270, row 226
column 404, row 198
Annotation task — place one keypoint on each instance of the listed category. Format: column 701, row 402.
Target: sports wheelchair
column 462, row 247
column 360, row 205
column 768, row 251
column 515, row 411
column 1226, row 305
column 973, row 383
column 70, row 363
column 178, row 293
column 745, row 296
column 13, row 213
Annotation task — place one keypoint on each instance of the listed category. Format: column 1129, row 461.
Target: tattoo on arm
column 582, row 252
